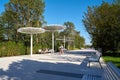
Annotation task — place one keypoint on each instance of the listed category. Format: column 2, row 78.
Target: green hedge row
column 13, row 49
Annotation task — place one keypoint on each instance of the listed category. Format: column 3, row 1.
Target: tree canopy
column 103, row 24
column 29, row 13
column 73, row 35
column 22, row 13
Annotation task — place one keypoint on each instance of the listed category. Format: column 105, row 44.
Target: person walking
column 61, row 49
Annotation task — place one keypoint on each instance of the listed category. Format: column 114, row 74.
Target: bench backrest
column 111, row 72
column 97, row 56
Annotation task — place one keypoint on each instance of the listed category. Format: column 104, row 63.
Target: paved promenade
column 42, row 67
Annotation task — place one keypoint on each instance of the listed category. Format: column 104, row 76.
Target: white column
column 53, row 41
column 31, row 44
column 64, row 41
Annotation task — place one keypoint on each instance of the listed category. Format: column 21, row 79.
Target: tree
column 103, row 24
column 116, row 2
column 1, row 29
column 72, row 34
column 23, row 13
column 79, row 41
column 69, row 28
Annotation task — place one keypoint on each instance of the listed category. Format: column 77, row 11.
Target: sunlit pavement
column 41, row 67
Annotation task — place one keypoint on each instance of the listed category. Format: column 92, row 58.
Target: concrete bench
column 85, row 70
column 95, row 58
column 110, row 72
column 45, row 51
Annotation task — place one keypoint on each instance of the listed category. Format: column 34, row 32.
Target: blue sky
column 60, row 11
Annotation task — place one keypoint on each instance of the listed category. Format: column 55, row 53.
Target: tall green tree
column 75, row 40
column 69, row 28
column 116, row 2
column 23, row 13
column 103, row 24
column 69, row 31
column 79, row 41
column 1, row 29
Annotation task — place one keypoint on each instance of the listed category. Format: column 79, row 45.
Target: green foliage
column 103, row 24
column 11, row 49
column 73, row 36
column 22, row 13
column 79, row 41
column 26, row 13
column 36, row 47
column 115, row 60
column 69, row 28
column 116, row 2
column 1, row 29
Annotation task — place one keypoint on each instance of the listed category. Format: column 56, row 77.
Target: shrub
column 11, row 48
column 36, row 47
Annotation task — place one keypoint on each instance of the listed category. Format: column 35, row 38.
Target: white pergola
column 52, row 28
column 31, row 31
column 65, row 40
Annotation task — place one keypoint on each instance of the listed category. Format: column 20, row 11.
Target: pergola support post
column 31, row 44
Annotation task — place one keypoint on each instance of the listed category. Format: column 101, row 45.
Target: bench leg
column 89, row 64
column 100, row 64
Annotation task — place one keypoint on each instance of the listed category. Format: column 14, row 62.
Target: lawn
column 115, row 60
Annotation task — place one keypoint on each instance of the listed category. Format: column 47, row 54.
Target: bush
column 36, row 47
column 11, row 48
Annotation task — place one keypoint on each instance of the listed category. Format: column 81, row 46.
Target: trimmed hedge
column 11, row 49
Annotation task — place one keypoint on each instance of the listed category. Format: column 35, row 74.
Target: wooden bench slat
column 108, row 74
column 111, row 72
column 90, row 77
column 116, row 70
